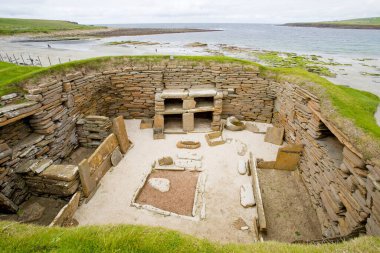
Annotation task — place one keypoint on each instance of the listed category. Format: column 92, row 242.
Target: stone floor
column 112, row 201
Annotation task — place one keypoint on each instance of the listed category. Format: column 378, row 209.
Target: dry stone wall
column 344, row 188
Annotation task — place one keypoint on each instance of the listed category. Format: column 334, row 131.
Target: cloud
column 189, row 11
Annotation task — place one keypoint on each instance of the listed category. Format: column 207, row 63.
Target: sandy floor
column 288, row 210
column 111, row 203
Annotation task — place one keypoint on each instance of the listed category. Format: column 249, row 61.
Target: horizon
column 190, row 11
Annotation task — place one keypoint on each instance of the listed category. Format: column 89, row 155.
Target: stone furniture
column 186, row 104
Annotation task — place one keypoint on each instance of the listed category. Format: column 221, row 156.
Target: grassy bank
column 16, row 237
column 11, row 26
column 349, row 109
column 10, row 74
column 359, row 23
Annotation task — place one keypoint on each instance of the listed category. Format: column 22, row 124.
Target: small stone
column 244, row 228
column 9, row 96
column 246, row 195
column 161, row 184
column 116, row 157
column 242, row 167
column 167, row 160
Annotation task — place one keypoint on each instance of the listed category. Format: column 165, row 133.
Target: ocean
column 304, row 40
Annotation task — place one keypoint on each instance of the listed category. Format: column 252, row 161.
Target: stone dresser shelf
column 187, row 105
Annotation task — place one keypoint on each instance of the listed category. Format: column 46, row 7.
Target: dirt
column 287, row 205
column 180, row 197
column 78, row 155
column 51, row 208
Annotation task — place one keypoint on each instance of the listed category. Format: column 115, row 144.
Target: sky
column 189, row 11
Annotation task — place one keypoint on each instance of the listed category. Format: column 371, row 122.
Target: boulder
column 234, row 124
column 160, row 184
column 32, row 212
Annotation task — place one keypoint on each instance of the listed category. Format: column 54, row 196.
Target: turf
column 11, row 73
column 359, row 23
column 11, row 26
column 16, row 237
column 341, row 103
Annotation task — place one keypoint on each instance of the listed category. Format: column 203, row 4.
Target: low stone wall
column 92, row 130
column 344, row 187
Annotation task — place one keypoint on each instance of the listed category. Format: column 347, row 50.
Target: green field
column 359, row 23
column 16, row 237
column 11, row 26
column 346, row 107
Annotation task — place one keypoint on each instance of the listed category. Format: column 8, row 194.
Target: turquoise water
column 342, row 42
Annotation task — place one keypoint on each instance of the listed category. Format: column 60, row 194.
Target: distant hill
column 10, row 26
column 359, row 23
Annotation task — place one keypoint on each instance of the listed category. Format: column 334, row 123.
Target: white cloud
column 189, row 11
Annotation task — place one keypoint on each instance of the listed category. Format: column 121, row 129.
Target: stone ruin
column 58, row 117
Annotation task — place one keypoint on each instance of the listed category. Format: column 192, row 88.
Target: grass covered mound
column 351, row 110
column 10, row 74
column 11, row 26
column 358, row 23
column 15, row 237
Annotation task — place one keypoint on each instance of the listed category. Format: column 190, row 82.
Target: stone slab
column 61, row 172
column 116, row 157
column 119, row 130
column 202, row 92
column 275, row 135
column 102, row 152
column 188, row 122
column 174, row 93
column 88, row 183
column 66, row 214
column 246, row 196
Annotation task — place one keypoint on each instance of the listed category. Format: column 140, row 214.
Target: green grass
column 16, row 237
column 357, row 21
column 349, row 109
column 11, row 26
column 10, row 74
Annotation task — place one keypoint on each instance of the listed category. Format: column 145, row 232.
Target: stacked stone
column 12, row 187
column 43, row 177
column 339, row 182
column 10, row 99
column 13, row 112
column 92, row 130
column 373, row 196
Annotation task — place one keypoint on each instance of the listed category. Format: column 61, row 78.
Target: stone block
column 119, row 130
column 275, row 135
column 188, row 122
column 288, row 157
column 61, row 172
column 189, row 104
column 88, row 182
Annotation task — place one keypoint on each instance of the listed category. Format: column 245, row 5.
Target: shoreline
column 336, row 26
column 100, row 33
